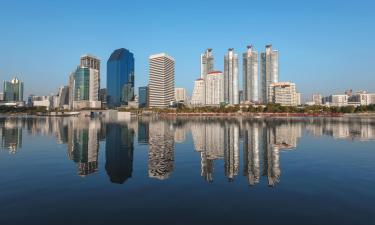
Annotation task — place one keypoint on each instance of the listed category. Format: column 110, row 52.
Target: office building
column 161, row 83
column 13, row 90
column 84, row 84
column 143, row 97
column 207, row 63
column 231, row 95
column 317, row 99
column 214, row 87
column 62, row 101
column 283, row 93
column 120, row 78
column 198, row 97
column 336, row 100
column 362, row 98
column 269, row 72
column 180, row 95
column 1, row 96
column 250, row 75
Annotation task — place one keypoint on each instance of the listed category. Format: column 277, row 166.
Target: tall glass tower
column 13, row 90
column 250, row 74
column 231, row 94
column 269, row 71
column 207, row 63
column 120, row 78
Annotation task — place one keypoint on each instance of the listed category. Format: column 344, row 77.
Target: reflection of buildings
column 143, row 132
column 161, row 150
column 83, row 144
column 11, row 135
column 119, row 152
column 209, row 141
column 251, row 153
column 231, row 151
column 271, row 159
column 180, row 134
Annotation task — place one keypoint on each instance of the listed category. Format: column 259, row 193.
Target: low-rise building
column 283, row 93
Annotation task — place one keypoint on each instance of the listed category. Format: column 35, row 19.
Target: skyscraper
column 143, row 97
column 161, row 83
column 250, row 74
column 120, row 78
column 214, row 88
column 207, row 63
column 231, row 77
column 13, row 90
column 269, row 71
column 84, row 84
column 93, row 64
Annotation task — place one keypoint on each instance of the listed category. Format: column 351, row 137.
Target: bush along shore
column 268, row 110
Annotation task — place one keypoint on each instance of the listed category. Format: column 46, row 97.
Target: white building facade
column 198, row 97
column 214, row 86
column 269, row 72
column 231, row 91
column 283, row 93
column 161, row 80
column 250, row 75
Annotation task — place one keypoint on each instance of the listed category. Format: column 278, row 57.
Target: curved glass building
column 120, row 78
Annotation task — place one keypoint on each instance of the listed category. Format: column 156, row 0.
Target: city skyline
column 301, row 53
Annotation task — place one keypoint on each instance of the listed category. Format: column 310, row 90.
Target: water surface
column 187, row 171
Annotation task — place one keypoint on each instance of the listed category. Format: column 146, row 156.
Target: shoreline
column 207, row 114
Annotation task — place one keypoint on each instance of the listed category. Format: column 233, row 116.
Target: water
column 187, row 171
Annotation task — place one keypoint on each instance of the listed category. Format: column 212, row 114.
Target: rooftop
column 161, row 55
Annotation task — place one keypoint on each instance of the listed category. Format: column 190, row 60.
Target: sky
column 325, row 46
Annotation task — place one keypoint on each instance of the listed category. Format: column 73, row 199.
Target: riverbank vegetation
column 21, row 110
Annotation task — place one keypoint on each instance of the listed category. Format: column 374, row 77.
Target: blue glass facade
column 120, row 78
column 82, row 84
column 143, row 97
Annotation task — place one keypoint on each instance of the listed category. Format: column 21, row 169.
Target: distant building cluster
column 260, row 85
column 360, row 98
column 215, row 88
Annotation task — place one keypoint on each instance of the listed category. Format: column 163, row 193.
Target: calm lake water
column 187, row 171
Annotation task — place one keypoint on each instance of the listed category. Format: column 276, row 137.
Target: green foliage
column 26, row 110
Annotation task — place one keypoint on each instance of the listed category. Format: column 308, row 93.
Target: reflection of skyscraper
column 209, row 141
column 251, row 153
column 231, row 151
column 161, row 150
column 119, row 152
column 11, row 135
column 271, row 166
column 83, row 145
column 143, row 132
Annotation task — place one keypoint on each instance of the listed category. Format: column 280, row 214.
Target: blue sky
column 325, row 46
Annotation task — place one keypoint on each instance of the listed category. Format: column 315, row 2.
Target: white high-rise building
column 283, row 93
column 180, row 95
column 161, row 83
column 214, row 88
column 231, row 92
column 207, row 63
column 198, row 97
column 250, row 75
column 269, row 72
